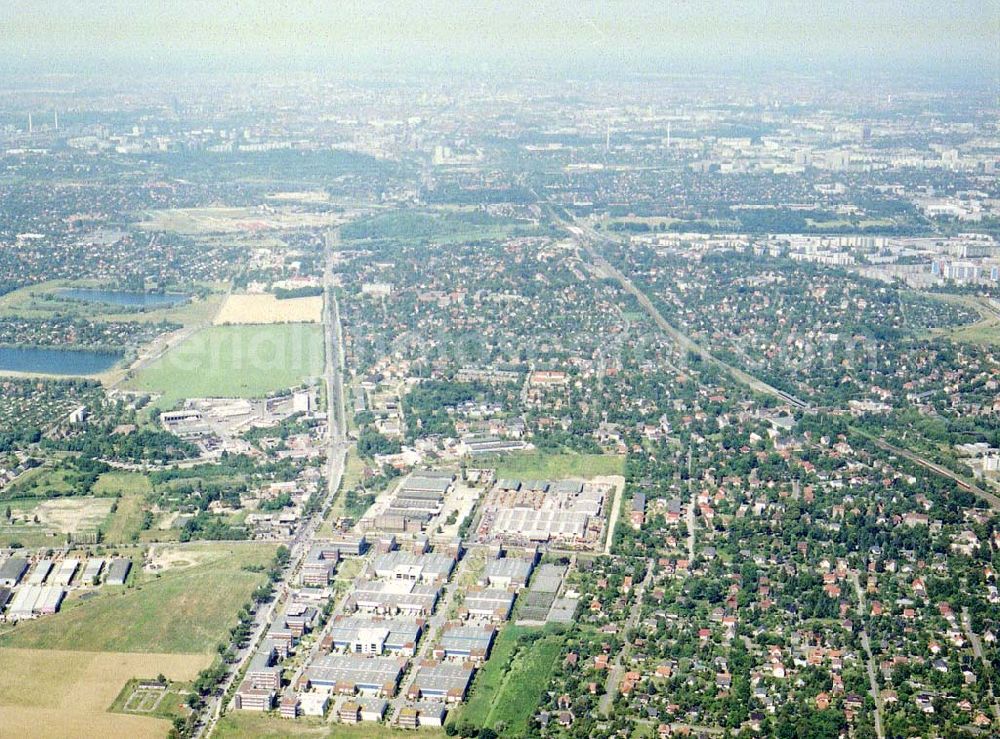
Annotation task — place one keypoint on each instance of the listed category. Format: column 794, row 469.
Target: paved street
column 337, row 446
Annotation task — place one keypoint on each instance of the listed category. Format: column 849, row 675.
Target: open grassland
column 543, row 466
column 126, row 521
column 46, row 480
column 509, row 688
column 244, row 725
column 353, row 467
column 266, row 308
column 194, row 221
column 234, row 361
column 69, row 693
column 45, row 522
column 984, row 331
column 182, row 609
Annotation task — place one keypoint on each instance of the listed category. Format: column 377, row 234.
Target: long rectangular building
column 12, row 571
column 351, row 673
column 428, row 483
column 507, row 572
column 540, row 525
column 42, row 569
column 441, row 681
column 118, row 571
column 400, row 565
column 64, row 572
column 375, row 636
column 91, row 571
column 395, row 597
column 466, row 642
column 36, row 600
column 492, row 603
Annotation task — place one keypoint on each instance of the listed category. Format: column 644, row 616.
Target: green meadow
column 234, row 361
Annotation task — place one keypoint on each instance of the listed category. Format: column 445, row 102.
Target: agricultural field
column 542, row 466
column 244, row 725
column 70, row 692
column 186, row 606
column 234, row 361
column 266, row 308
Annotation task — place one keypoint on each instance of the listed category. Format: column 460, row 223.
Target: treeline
column 142, row 445
column 284, row 293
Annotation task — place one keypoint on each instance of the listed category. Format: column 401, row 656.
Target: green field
column 126, row 521
column 188, row 608
column 509, row 688
column 243, row 725
column 985, row 331
column 542, row 466
column 353, row 467
column 234, row 361
column 48, row 480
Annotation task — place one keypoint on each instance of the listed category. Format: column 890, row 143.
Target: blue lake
column 123, row 297
column 54, row 361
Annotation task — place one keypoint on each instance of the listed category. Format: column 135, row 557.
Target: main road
column 337, row 446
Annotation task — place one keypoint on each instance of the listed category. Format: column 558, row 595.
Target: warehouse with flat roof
column 118, row 571
column 401, row 565
column 42, row 569
column 470, row 643
column 493, row 604
column 12, row 571
column 375, row 636
column 36, row 600
column 393, row 597
column 352, row 673
column 445, row 681
column 91, row 571
column 64, row 572
column 540, row 525
column 503, row 573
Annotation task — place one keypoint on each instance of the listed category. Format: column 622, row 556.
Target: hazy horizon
column 957, row 39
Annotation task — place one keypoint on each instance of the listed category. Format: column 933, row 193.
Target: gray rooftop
column 401, row 631
column 355, row 670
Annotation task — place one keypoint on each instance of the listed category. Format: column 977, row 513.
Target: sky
column 484, row 35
